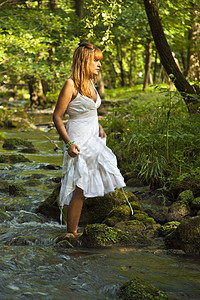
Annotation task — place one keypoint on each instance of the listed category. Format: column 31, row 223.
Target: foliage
column 154, row 137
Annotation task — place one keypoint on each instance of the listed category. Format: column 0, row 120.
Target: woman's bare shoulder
column 69, row 83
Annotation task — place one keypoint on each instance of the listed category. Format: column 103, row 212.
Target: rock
column 50, row 206
column 13, row 158
column 133, row 226
column 177, row 211
column 160, row 215
column 49, row 167
column 68, row 240
column 139, row 289
column 185, row 197
column 152, row 231
column 195, row 204
column 96, row 210
column 117, row 214
column 140, row 216
column 135, row 205
column 19, row 144
column 134, row 182
column 17, row 189
column 17, row 120
column 169, row 227
column 101, row 235
column 186, row 236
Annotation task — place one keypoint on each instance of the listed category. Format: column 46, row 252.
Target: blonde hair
column 82, row 58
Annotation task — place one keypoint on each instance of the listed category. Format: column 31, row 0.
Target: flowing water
column 31, row 265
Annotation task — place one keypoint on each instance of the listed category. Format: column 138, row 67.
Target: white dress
column 95, row 169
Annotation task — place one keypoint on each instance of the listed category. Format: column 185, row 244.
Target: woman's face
column 95, row 66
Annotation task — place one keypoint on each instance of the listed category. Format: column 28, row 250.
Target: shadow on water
column 31, row 265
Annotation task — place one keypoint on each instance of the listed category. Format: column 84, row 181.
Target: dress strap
column 128, row 201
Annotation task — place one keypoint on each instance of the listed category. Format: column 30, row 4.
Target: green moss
column 149, row 221
column 141, row 216
column 169, row 227
column 118, row 214
column 13, row 159
column 135, row 205
column 101, row 235
column 185, row 197
column 139, row 289
column 131, row 226
column 196, row 203
column 15, row 143
column 96, row 210
column 186, row 236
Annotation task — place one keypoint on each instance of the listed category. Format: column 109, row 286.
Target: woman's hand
column 102, row 133
column 73, row 150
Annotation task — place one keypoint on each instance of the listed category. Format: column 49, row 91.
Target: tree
column 183, row 86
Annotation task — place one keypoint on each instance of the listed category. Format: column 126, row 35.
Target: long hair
column 84, row 54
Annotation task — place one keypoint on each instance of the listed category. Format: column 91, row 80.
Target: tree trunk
column 155, row 67
column 32, row 91
column 194, row 62
column 131, row 67
column 166, row 57
column 101, row 86
column 119, row 58
column 79, row 8
column 52, row 4
column 147, row 63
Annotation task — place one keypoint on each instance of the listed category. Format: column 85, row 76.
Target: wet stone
column 13, row 158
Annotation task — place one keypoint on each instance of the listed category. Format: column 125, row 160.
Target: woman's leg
column 72, row 212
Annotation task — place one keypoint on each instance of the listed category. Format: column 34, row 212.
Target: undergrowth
column 156, row 139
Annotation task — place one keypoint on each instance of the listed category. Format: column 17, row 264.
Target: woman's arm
column 67, row 93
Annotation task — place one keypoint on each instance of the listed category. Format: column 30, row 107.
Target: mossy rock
column 169, row 227
column 135, row 205
column 13, row 158
column 185, row 197
column 140, row 216
column 15, row 143
column 96, row 210
column 134, row 226
column 195, row 204
column 178, row 211
column 186, row 236
column 149, row 221
column 50, row 206
column 139, row 289
column 191, row 182
column 117, row 214
column 17, row 189
column 101, row 235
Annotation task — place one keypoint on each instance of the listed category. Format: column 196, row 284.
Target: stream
column 40, row 270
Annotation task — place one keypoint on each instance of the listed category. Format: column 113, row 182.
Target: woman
column 89, row 166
